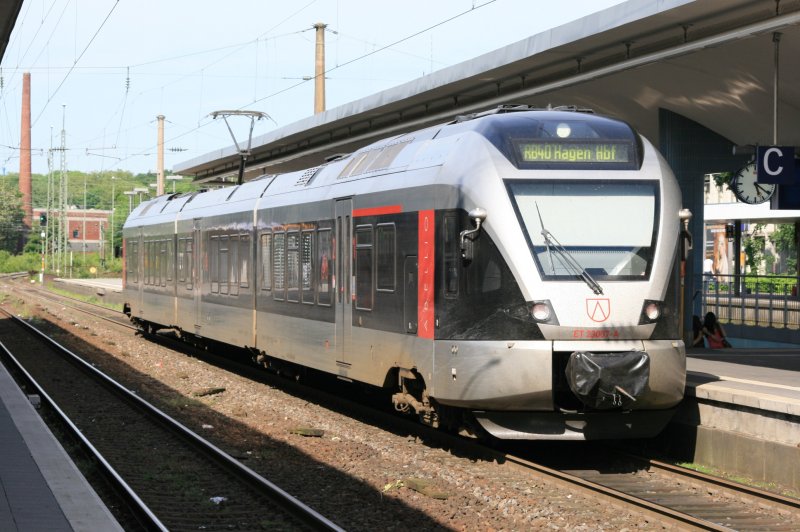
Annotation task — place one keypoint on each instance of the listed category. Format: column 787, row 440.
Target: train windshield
column 590, row 230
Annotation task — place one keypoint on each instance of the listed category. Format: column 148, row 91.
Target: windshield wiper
column 565, row 258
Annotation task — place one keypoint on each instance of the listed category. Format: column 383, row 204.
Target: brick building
column 87, row 230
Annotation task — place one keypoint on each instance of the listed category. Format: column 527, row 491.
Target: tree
column 753, row 245
column 11, row 215
column 783, row 238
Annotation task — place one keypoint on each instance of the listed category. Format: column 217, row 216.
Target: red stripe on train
column 378, row 211
column 425, row 264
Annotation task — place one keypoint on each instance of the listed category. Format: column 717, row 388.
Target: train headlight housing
column 651, row 311
column 542, row 312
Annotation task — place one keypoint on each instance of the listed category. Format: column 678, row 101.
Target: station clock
column 747, row 189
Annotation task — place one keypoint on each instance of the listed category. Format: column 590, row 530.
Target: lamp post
column 130, row 194
column 173, row 178
column 139, row 191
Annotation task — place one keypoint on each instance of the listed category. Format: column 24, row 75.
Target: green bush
column 27, row 262
column 770, row 285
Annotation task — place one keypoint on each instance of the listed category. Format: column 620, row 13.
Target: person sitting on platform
column 714, row 333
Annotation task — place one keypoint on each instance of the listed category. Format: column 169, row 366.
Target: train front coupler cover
column 605, row 381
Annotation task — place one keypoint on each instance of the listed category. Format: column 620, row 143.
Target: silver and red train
column 513, row 271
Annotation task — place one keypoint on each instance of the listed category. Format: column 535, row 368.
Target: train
column 513, row 272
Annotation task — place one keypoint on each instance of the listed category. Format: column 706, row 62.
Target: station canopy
column 712, row 61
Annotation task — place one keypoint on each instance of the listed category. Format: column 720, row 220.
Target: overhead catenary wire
column 128, row 102
column 113, row 7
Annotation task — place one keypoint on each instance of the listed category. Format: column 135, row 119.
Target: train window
column 148, row 261
column 213, row 253
column 363, row 267
column 189, row 263
column 150, row 264
column 132, row 261
column 568, row 239
column 279, row 266
column 325, row 267
column 181, row 260
column 164, row 257
column 233, row 265
column 266, row 261
column 170, row 261
column 223, row 273
column 293, row 266
column 385, row 257
column 452, row 254
column 307, row 266
column 145, row 262
column 244, row 261
column 154, row 263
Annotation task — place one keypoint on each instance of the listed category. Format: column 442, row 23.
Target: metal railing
column 750, row 300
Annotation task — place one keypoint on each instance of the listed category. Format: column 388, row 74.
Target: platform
column 742, row 413
column 106, row 284
column 108, row 290
column 40, row 487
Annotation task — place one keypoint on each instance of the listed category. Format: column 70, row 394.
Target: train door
column 197, row 276
column 344, row 280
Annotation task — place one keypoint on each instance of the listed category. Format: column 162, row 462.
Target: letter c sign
column 775, row 165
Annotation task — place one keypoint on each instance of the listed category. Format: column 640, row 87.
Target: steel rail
column 138, row 507
column 303, row 512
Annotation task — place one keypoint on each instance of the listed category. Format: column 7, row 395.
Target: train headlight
column 651, row 311
column 542, row 312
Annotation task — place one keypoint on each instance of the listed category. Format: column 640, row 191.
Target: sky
column 103, row 70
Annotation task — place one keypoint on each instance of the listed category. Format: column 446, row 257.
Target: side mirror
column 466, row 237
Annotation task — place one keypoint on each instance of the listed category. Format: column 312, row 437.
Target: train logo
column 598, row 309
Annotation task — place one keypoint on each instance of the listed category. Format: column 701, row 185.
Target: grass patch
column 94, row 300
column 746, row 481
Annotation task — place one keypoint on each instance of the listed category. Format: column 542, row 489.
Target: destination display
column 571, row 152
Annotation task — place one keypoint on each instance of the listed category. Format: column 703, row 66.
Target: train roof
column 404, row 152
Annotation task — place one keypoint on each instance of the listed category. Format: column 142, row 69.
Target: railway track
column 679, row 495
column 676, row 496
column 172, row 478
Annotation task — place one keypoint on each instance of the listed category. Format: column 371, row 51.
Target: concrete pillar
column 160, row 178
column 319, row 69
column 692, row 150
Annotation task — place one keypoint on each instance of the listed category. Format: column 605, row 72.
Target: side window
column 164, row 271
column 170, row 259
column 452, row 255
column 307, row 266
column 385, row 257
column 223, row 264
column 293, row 266
column 244, row 261
column 189, row 263
column 266, row 261
column 132, row 261
column 364, row 267
column 146, row 262
column 233, row 265
column 213, row 253
column 151, row 262
column 324, row 267
column 181, row 260
column 278, row 266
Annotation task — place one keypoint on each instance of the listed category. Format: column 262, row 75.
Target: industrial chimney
column 25, row 154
